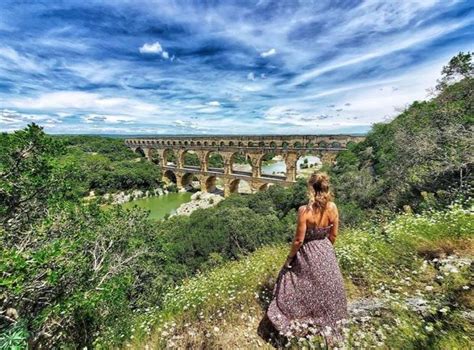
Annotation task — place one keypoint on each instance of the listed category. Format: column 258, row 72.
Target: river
column 159, row 206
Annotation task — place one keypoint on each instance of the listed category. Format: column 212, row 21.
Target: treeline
column 105, row 164
column 424, row 157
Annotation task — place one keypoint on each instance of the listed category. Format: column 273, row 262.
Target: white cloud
column 22, row 62
column 251, row 76
column 112, row 119
column 214, row 104
column 398, row 43
column 154, row 48
column 186, row 124
column 268, row 53
column 64, row 101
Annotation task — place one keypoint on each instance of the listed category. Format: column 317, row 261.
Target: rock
column 468, row 315
column 365, row 306
column 122, row 197
column 417, row 304
column 199, row 200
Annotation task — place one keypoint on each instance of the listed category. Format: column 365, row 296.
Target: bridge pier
column 202, row 155
column 227, row 157
column 255, row 160
column 291, row 159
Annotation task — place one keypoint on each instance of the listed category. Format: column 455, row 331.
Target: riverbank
column 122, row 197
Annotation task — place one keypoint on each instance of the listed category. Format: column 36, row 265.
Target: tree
column 459, row 67
column 30, row 178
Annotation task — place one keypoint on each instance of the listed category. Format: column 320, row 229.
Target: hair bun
column 318, row 189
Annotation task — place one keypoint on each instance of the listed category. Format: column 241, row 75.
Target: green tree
column 30, row 177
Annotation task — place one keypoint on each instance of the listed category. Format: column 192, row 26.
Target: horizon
column 160, row 68
column 203, row 135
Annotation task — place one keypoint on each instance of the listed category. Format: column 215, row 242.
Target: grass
column 417, row 266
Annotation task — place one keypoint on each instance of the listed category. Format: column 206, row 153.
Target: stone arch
column 170, row 176
column 231, row 143
column 139, row 151
column 154, row 156
column 323, row 144
column 310, row 145
column 190, row 159
column 284, row 145
column 273, row 144
column 240, row 186
column 214, row 185
column 241, row 144
column 222, row 143
column 272, row 165
column 213, row 143
column 250, row 144
column 169, row 156
column 215, row 161
column 298, row 144
column 261, row 144
column 205, row 143
column 307, row 162
column 190, row 181
column 336, row 144
column 264, row 187
column 239, row 162
column 198, row 143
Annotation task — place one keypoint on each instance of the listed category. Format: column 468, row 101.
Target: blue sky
column 222, row 67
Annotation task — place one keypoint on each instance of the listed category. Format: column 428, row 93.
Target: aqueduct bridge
column 253, row 148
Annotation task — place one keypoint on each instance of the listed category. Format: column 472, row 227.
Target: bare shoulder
column 332, row 207
column 302, row 209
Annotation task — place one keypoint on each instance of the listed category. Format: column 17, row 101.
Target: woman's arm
column 335, row 223
column 299, row 235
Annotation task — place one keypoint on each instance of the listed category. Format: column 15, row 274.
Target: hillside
column 408, row 284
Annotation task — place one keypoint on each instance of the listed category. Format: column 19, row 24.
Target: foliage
column 386, row 264
column 31, row 179
column 105, row 165
column 426, row 149
column 15, row 338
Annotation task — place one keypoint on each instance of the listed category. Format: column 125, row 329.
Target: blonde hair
column 319, row 193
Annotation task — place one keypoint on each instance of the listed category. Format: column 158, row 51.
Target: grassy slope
column 416, row 269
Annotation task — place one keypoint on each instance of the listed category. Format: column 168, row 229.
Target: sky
column 222, row 67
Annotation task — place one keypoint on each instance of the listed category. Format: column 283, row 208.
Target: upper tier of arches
column 279, row 142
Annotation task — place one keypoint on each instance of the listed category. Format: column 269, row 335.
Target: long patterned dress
column 312, row 291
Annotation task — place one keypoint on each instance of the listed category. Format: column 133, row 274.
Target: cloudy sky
column 221, row 67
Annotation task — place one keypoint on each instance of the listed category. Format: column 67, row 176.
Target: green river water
column 159, row 206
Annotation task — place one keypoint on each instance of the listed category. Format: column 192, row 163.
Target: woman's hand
column 288, row 262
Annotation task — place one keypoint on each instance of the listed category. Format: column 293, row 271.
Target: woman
column 310, row 289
